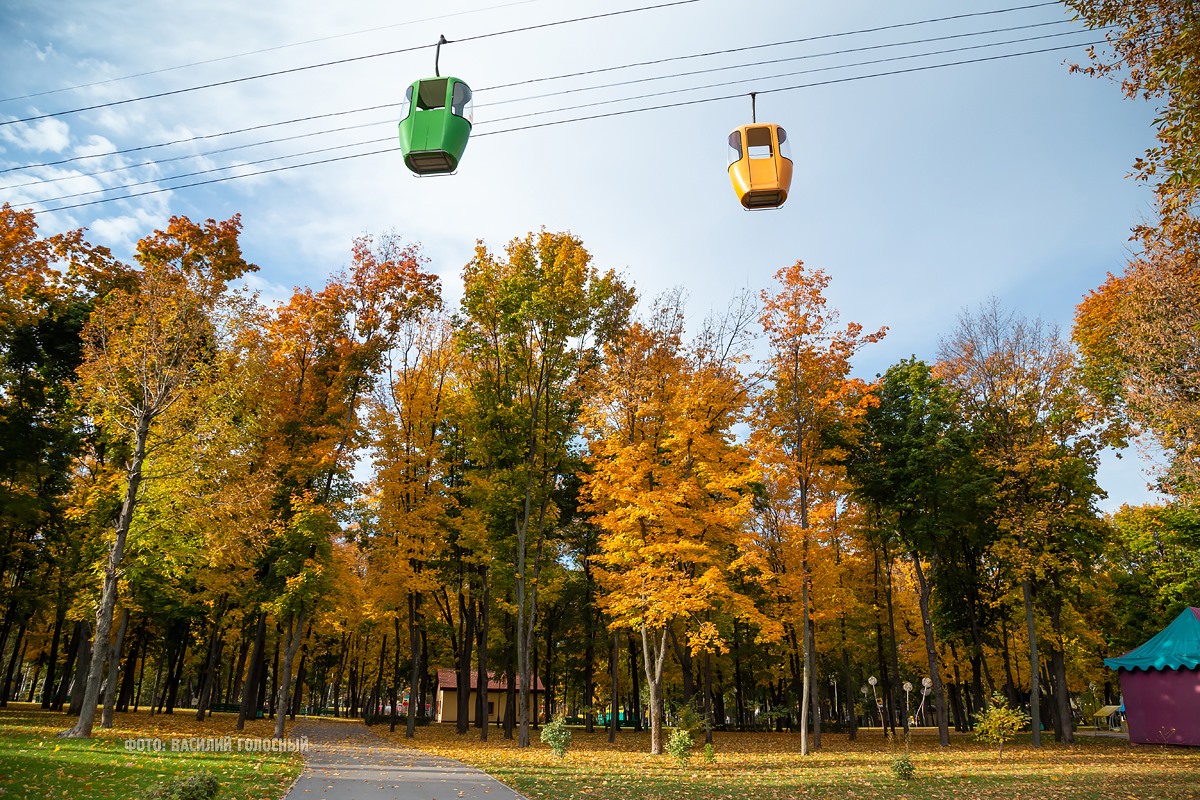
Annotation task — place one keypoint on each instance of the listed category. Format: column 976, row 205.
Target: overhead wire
column 336, row 62
column 611, row 85
column 188, row 156
column 837, row 34
column 802, row 40
column 262, row 50
column 623, row 112
column 196, row 138
column 808, row 56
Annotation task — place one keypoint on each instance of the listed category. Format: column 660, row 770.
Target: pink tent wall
column 1162, row 706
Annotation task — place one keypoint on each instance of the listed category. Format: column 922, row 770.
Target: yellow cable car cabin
column 760, row 165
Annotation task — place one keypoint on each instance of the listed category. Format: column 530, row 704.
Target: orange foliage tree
column 808, row 394
column 146, row 349
column 670, row 489
column 411, row 498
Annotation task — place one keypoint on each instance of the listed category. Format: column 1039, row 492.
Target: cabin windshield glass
column 734, row 150
column 461, row 104
column 406, row 108
column 785, row 149
column 758, row 143
column 432, row 94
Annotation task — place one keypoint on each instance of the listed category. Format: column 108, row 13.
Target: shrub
column 680, row 744
column 902, row 767
column 710, row 755
column 1000, row 723
column 199, row 786
column 557, row 735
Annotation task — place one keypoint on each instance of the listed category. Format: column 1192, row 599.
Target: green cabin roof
column 1176, row 646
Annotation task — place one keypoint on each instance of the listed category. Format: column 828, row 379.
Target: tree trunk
column 209, row 677
column 613, row 665
column 510, row 681
column 60, row 616
column 466, row 639
column 482, row 679
column 176, row 675
column 589, row 669
column 128, row 676
column 814, row 689
column 851, row 717
column 708, row 699
column 939, row 694
column 1064, row 731
column 891, row 680
column 654, row 653
column 1035, row 708
column 82, row 662
column 285, row 672
column 395, row 693
column 12, row 661
column 804, row 748
column 108, row 592
column 414, row 676
column 114, row 658
column 249, row 688
column 635, row 689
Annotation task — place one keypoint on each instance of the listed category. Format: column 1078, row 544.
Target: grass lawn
column 767, row 766
column 34, row 763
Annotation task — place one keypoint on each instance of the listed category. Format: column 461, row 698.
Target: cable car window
column 432, row 94
column 735, row 147
column 785, row 149
column 461, row 103
column 407, row 108
column 758, row 142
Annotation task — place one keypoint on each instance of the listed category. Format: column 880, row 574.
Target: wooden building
column 497, row 690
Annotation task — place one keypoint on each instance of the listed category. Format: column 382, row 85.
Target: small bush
column 1000, row 723
column 680, row 744
column 688, row 719
column 199, row 786
column 710, row 755
column 557, row 735
column 902, row 767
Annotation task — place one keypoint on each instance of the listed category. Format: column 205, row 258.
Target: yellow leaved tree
column 669, row 486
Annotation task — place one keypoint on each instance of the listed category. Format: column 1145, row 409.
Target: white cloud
column 121, row 234
column 41, row 54
column 44, row 135
column 95, row 145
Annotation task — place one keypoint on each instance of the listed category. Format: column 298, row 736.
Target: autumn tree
column 1019, row 387
column 48, row 287
column 1137, row 336
column 670, row 489
column 908, row 463
column 327, row 349
column 532, row 324
column 146, row 348
column 808, row 394
column 1150, row 47
column 412, row 497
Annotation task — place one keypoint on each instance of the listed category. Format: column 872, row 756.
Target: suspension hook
column 753, row 114
column 438, row 54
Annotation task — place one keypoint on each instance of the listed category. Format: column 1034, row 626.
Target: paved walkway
column 347, row 762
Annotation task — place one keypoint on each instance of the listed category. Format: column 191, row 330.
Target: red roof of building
column 448, row 679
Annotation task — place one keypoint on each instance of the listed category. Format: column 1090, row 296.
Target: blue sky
column 921, row 193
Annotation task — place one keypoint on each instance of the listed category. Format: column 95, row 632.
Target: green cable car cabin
column 435, row 125
column 760, row 165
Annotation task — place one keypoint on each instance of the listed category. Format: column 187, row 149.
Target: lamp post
column 926, row 687
column 907, row 688
column 833, row 683
column 866, row 714
column 878, row 704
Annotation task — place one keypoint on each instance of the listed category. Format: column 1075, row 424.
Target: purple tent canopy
column 1161, row 684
